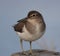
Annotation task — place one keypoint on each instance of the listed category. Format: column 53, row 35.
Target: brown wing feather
column 22, row 20
column 19, row 26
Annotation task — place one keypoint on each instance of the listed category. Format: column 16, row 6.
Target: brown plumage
column 19, row 26
column 30, row 28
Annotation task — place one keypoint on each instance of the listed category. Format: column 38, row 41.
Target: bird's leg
column 22, row 46
column 30, row 52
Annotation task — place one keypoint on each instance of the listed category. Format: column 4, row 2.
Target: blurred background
column 13, row 10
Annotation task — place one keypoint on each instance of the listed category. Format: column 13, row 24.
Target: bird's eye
column 33, row 15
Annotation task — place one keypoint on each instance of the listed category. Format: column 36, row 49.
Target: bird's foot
column 24, row 53
column 30, row 52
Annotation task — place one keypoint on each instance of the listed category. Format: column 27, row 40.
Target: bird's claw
column 30, row 53
column 24, row 53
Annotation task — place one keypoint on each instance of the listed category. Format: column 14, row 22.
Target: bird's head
column 34, row 14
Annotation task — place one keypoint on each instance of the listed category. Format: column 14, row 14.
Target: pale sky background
column 13, row 10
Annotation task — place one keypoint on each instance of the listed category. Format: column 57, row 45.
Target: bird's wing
column 19, row 26
column 22, row 20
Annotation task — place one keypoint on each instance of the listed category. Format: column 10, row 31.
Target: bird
column 30, row 28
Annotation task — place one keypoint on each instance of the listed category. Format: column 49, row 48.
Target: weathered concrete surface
column 38, row 53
